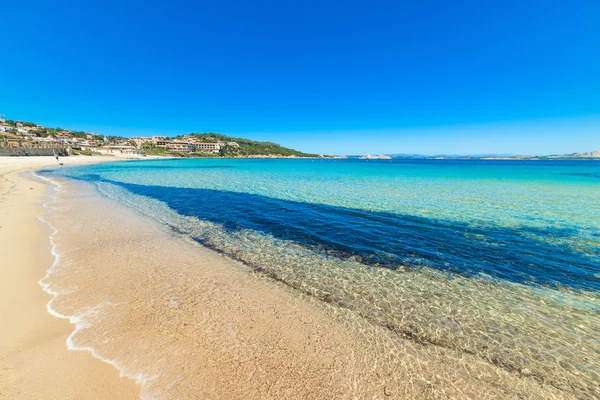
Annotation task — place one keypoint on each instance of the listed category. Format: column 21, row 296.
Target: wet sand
column 34, row 360
column 188, row 323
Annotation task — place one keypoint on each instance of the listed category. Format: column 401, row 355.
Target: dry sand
column 34, row 360
column 192, row 323
column 260, row 342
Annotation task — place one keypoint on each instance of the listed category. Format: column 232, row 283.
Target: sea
column 490, row 259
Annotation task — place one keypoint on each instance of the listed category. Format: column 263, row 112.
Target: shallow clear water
column 529, row 222
column 497, row 259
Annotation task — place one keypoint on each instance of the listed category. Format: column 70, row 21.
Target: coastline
column 35, row 362
column 262, row 340
column 187, row 322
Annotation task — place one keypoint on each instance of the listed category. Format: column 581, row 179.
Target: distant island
column 22, row 134
column 584, row 155
column 379, row 157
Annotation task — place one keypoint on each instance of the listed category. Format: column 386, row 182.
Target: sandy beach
column 34, row 360
column 244, row 336
column 188, row 323
column 173, row 319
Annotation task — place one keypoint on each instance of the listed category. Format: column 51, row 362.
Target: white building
column 62, row 138
column 116, row 150
column 180, row 147
column 208, row 147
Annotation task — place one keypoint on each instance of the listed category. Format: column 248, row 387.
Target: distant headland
column 28, row 135
column 583, row 155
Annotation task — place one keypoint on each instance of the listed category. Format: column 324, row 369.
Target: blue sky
column 346, row 77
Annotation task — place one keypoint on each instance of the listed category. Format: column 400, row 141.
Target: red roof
column 10, row 135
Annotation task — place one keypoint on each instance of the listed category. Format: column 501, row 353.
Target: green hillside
column 239, row 147
column 233, row 147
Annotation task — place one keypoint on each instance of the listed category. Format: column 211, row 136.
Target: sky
column 330, row 77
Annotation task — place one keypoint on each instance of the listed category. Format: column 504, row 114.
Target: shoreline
column 296, row 347
column 243, row 335
column 34, row 358
column 187, row 322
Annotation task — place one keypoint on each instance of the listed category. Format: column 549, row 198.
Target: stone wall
column 25, row 151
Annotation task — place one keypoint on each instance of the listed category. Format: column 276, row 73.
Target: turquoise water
column 530, row 222
column 500, row 259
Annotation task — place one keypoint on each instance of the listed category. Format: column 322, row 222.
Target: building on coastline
column 6, row 135
column 139, row 141
column 15, row 145
column 187, row 144
column 160, row 140
column 180, row 147
column 88, row 146
column 116, row 149
column 208, row 147
column 62, row 138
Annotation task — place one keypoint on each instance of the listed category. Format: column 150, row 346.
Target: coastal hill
column 236, row 147
column 17, row 134
column 590, row 154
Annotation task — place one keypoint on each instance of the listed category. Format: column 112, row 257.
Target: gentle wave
column 80, row 321
column 475, row 316
column 539, row 324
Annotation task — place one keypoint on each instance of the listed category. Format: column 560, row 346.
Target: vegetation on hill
column 232, row 146
column 240, row 147
column 152, row 150
column 45, row 132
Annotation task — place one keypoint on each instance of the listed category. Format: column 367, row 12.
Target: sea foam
column 78, row 320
